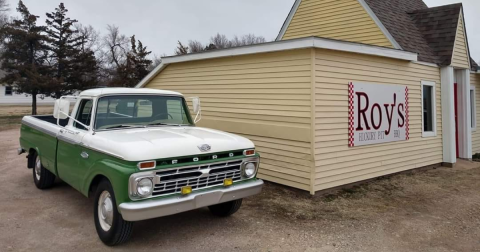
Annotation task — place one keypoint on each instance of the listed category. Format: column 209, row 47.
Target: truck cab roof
column 106, row 91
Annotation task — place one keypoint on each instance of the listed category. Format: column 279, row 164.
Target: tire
column 226, row 209
column 112, row 229
column 42, row 177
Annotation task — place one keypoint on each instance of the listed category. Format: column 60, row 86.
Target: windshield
column 128, row 111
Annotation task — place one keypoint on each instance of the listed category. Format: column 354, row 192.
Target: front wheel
column 226, row 209
column 111, row 227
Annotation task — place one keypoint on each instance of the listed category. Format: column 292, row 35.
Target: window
column 8, row 91
column 429, row 125
column 473, row 108
column 141, row 111
column 84, row 114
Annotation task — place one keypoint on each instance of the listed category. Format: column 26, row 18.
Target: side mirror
column 61, row 109
column 197, row 109
column 196, row 104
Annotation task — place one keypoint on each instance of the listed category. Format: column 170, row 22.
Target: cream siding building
column 292, row 97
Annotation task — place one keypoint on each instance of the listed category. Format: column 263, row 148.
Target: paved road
column 430, row 211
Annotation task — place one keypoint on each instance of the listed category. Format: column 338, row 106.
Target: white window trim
column 434, row 107
column 474, row 108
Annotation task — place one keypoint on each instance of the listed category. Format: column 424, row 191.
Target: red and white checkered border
column 351, row 121
column 407, row 121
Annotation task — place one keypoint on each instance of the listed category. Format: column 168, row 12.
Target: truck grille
column 198, row 177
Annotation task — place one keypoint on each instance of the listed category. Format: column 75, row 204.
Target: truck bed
column 51, row 119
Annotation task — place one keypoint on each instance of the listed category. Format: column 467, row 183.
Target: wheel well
column 31, row 156
column 94, row 184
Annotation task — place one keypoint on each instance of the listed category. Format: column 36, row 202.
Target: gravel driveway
column 434, row 210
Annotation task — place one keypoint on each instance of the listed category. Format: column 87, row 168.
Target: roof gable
column 348, row 20
column 461, row 56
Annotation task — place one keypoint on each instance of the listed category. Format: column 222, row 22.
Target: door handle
column 84, row 154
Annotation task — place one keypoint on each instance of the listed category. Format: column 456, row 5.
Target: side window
column 473, row 108
column 84, row 114
column 429, row 128
column 8, row 91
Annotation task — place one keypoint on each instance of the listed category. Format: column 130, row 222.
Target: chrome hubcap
column 38, row 168
column 105, row 210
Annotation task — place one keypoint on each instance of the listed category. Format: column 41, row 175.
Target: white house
column 9, row 97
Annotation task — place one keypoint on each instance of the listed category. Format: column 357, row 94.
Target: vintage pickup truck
column 139, row 155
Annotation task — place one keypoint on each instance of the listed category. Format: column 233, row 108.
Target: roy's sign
column 377, row 113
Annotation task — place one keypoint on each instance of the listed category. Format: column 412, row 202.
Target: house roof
column 394, row 16
column 283, row 45
column 428, row 31
column 413, row 26
column 439, row 27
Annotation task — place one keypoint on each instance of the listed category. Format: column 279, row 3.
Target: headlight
column 249, row 170
column 144, row 187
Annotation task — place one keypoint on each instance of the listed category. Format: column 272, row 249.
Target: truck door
column 70, row 153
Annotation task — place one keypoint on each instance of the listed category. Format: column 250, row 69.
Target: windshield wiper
column 166, row 124
column 125, row 126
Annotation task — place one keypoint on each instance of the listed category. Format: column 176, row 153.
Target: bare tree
column 4, row 9
column 195, row 46
column 116, row 44
column 181, row 49
column 220, row 41
column 90, row 38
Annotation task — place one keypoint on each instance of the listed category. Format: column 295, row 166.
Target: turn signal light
column 186, row 190
column 249, row 152
column 228, row 182
column 146, row 165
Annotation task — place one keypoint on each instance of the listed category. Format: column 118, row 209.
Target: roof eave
column 294, row 44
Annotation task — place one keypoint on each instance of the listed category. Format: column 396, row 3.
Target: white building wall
column 22, row 99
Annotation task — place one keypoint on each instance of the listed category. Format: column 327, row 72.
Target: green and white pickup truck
column 138, row 153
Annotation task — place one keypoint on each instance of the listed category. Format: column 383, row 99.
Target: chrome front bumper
column 137, row 211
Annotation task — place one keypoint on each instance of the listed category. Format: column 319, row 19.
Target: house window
column 473, row 108
column 8, row 91
column 429, row 125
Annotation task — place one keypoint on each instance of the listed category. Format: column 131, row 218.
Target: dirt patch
column 432, row 210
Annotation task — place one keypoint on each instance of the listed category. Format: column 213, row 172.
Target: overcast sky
column 159, row 24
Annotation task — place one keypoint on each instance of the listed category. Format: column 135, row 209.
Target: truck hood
column 163, row 142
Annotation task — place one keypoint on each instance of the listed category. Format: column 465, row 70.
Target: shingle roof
column 439, row 27
column 394, row 16
column 430, row 32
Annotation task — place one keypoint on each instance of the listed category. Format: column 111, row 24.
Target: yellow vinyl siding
column 336, row 163
column 475, row 81
column 460, row 56
column 336, row 19
column 264, row 97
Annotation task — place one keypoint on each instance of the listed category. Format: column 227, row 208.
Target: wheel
column 111, row 227
column 42, row 177
column 226, row 209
